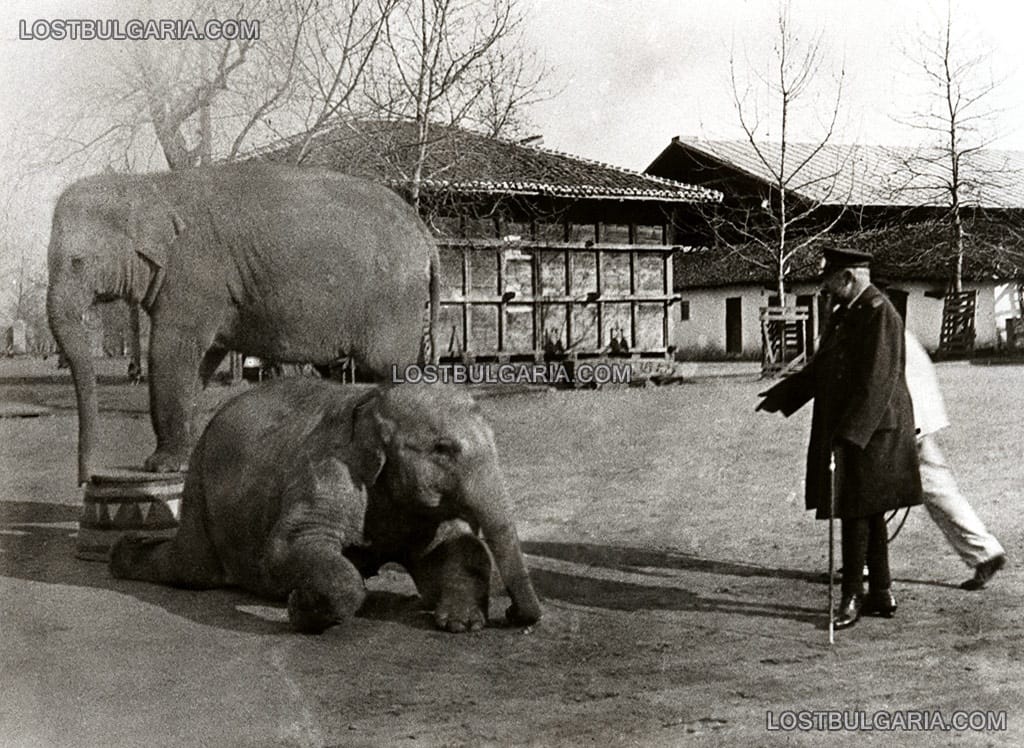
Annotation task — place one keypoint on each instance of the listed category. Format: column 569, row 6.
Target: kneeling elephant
column 301, row 488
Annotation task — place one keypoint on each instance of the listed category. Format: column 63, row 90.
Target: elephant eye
column 447, row 447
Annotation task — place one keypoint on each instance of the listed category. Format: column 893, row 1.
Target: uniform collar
column 866, row 294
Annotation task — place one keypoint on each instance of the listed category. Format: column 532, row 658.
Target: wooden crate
column 516, row 298
column 783, row 339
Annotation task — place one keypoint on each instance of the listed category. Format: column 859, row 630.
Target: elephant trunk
column 488, row 501
column 71, row 335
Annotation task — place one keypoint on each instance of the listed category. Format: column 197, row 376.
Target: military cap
column 840, row 259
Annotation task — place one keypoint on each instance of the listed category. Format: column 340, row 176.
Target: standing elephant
column 300, row 488
column 287, row 263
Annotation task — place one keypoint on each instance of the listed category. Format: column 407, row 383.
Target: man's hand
column 839, row 447
column 769, row 405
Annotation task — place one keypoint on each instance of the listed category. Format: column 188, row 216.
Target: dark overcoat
column 862, row 407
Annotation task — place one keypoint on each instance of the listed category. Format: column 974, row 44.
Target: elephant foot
column 518, row 617
column 166, row 462
column 130, row 556
column 313, row 611
column 459, row 613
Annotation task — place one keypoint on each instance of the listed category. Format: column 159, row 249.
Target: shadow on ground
column 38, row 544
column 647, row 562
column 628, row 595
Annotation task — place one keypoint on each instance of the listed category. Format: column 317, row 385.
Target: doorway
column 733, row 325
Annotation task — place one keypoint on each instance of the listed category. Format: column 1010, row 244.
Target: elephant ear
column 369, row 439
column 330, row 477
column 153, row 226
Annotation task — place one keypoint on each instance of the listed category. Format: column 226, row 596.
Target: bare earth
column 665, row 532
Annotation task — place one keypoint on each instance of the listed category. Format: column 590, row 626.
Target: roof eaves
column 712, row 194
column 692, row 145
column 571, row 190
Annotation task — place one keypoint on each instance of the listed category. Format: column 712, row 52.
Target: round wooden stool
column 119, row 501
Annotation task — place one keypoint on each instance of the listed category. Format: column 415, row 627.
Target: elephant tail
column 428, row 347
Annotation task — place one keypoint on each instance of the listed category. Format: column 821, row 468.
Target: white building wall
column 924, row 314
column 1006, row 306
column 703, row 335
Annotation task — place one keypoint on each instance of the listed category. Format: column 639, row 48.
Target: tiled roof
column 873, row 175
column 462, row 161
column 922, row 252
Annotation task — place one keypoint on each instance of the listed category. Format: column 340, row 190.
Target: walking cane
column 831, row 552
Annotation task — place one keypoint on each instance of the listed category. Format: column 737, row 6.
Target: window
column 614, row 233
column 615, row 273
column 451, row 336
column 550, row 232
column 519, row 328
column 516, row 230
column 483, row 328
column 650, row 325
column 584, row 273
column 618, row 323
column 650, row 273
column 581, row 232
column 483, row 272
column 552, row 273
column 684, row 311
column 451, row 270
column 450, row 226
column 479, row 228
column 519, row 273
column 650, row 234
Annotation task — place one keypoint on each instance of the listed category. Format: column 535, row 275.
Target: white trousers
column 949, row 509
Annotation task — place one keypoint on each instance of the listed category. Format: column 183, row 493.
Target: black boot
column 879, row 603
column 848, row 611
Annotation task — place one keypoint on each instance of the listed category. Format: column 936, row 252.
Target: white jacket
column 929, row 407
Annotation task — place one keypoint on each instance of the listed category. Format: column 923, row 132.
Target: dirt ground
column 665, row 532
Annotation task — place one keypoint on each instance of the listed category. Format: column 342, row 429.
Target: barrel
column 121, row 501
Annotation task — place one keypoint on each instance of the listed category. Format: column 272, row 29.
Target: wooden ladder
column 783, row 331
column 957, row 337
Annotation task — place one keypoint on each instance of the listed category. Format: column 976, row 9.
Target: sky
column 625, row 75
column 632, row 74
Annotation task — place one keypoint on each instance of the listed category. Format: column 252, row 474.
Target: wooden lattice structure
column 957, row 336
column 783, row 339
column 1015, row 333
column 534, row 299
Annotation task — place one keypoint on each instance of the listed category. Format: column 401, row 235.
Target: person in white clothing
column 946, row 505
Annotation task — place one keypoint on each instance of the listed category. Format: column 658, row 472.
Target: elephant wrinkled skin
column 288, row 263
column 300, row 488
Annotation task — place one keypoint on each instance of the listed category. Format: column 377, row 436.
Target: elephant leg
column 323, row 587
column 453, row 577
column 174, row 358
column 187, row 560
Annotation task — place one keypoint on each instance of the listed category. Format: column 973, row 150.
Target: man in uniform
column 864, row 416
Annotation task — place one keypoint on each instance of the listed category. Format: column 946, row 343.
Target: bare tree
column 454, row 63
column 196, row 101
column 951, row 171
column 335, row 53
column 804, row 177
column 24, row 290
column 510, row 80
